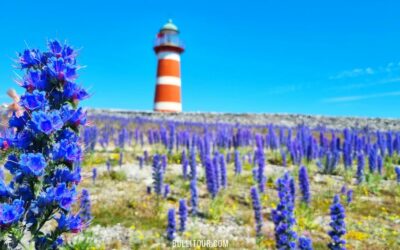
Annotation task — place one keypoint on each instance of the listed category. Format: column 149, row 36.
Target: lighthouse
column 168, row 49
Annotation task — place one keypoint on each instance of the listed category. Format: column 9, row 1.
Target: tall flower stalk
column 183, row 213
column 304, row 243
column 304, row 184
column 171, row 225
column 338, row 225
column 85, row 206
column 43, row 150
column 283, row 215
column 238, row 163
column 158, row 175
column 211, row 179
column 257, row 210
column 194, row 196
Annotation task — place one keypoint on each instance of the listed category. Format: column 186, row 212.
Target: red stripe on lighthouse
column 168, row 93
column 167, row 67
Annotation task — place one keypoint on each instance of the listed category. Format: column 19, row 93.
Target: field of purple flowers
column 259, row 187
column 146, row 184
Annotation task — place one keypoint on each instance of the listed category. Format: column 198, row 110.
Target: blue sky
column 310, row 57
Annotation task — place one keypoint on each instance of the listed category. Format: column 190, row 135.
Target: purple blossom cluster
column 257, row 210
column 44, row 150
column 305, row 243
column 194, row 196
column 283, row 215
column 304, row 184
column 338, row 225
column 171, row 225
column 158, row 174
column 183, row 213
column 85, row 206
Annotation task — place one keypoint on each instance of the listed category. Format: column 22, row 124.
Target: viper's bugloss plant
column 194, row 196
column 43, row 149
column 183, row 213
column 158, row 174
column 379, row 164
column 171, row 225
column 141, row 161
column 192, row 163
column 166, row 191
column 337, row 224
column 238, row 163
column 185, row 164
column 85, row 206
column 283, row 215
column 372, row 160
column 222, row 165
column 261, row 179
column 304, row 243
column 211, row 179
column 164, row 163
column 304, row 184
column 257, row 210
column 349, row 196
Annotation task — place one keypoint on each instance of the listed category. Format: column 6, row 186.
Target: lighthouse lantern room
column 168, row 48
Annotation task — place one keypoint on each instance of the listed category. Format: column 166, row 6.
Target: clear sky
column 312, row 57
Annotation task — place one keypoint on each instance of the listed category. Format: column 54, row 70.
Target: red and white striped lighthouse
column 168, row 48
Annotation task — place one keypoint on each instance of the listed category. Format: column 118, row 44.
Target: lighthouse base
column 174, row 107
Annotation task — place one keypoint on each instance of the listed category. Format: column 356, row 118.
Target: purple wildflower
column 166, row 191
column 337, row 224
column 211, row 178
column 222, row 166
column 238, row 163
column 257, row 210
column 379, row 164
column 283, row 215
column 304, row 243
column 183, row 213
column 304, row 184
column 158, row 174
column 192, row 163
column 33, row 164
column 171, row 226
column 85, row 211
column 194, row 196
column 11, row 213
column 360, row 168
column 349, row 196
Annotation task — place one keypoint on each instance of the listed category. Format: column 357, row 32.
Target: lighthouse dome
column 169, row 26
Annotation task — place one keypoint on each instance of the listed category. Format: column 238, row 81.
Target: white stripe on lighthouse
column 169, row 55
column 169, row 80
column 171, row 106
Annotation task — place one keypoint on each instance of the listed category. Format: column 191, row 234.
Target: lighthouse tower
column 168, row 48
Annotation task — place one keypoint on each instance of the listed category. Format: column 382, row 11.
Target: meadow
column 73, row 179
column 238, row 183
